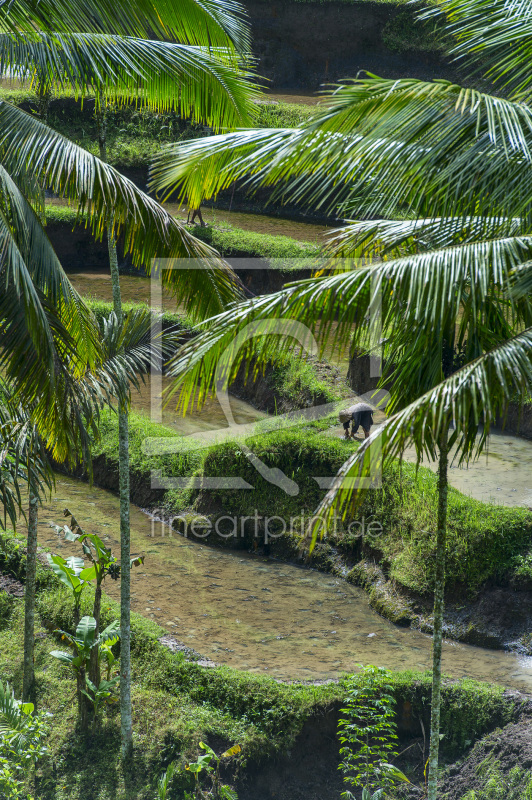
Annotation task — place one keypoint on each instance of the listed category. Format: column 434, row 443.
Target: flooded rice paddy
column 255, row 613
column 258, row 614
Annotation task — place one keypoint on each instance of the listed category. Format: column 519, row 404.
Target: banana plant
column 84, row 642
column 107, row 658
column 103, row 563
column 209, row 764
column 101, row 694
column 69, row 570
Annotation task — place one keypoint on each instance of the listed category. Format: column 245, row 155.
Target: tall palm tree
column 204, row 83
column 452, row 165
column 202, row 76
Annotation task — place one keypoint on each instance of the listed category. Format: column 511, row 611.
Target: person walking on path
column 192, row 214
column 358, row 415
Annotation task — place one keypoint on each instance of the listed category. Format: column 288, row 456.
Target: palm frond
column 522, row 281
column 131, row 349
column 464, row 287
column 201, row 83
column 207, row 23
column 390, row 238
column 381, row 147
column 475, row 395
column 34, row 268
column 16, row 723
column 202, row 168
column 493, row 38
column 149, row 232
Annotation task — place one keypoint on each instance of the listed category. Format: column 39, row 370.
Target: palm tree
column 452, row 165
column 204, row 84
column 202, row 76
column 129, row 350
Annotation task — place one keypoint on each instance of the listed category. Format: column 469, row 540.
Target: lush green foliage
column 22, row 735
column 177, row 704
column 102, row 309
column 483, row 541
column 469, row 708
column 83, row 642
column 135, row 134
column 206, row 771
column 282, row 252
column 367, row 731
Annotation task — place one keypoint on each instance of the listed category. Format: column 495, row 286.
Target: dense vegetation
column 445, row 244
column 177, row 704
column 135, row 133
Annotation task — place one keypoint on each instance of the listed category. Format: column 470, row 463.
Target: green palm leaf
column 475, row 395
column 210, row 23
column 29, row 146
column 452, row 287
column 201, row 83
column 15, row 719
column 493, row 38
column 383, row 147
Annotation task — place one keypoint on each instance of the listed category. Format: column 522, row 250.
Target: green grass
column 101, row 309
column 135, row 135
column 176, row 704
column 485, row 542
column 282, row 252
column 282, row 115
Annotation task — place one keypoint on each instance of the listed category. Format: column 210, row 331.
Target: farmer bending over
column 361, row 414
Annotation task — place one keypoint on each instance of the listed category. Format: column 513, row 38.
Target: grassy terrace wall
column 486, row 543
column 136, row 134
column 78, row 250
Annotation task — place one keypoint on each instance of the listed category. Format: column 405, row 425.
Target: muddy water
column 503, row 475
column 210, row 418
column 294, row 96
column 258, row 614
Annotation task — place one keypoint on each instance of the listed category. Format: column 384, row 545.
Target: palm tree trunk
column 94, row 662
column 44, row 95
column 123, row 466
column 439, row 589
column 29, row 597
